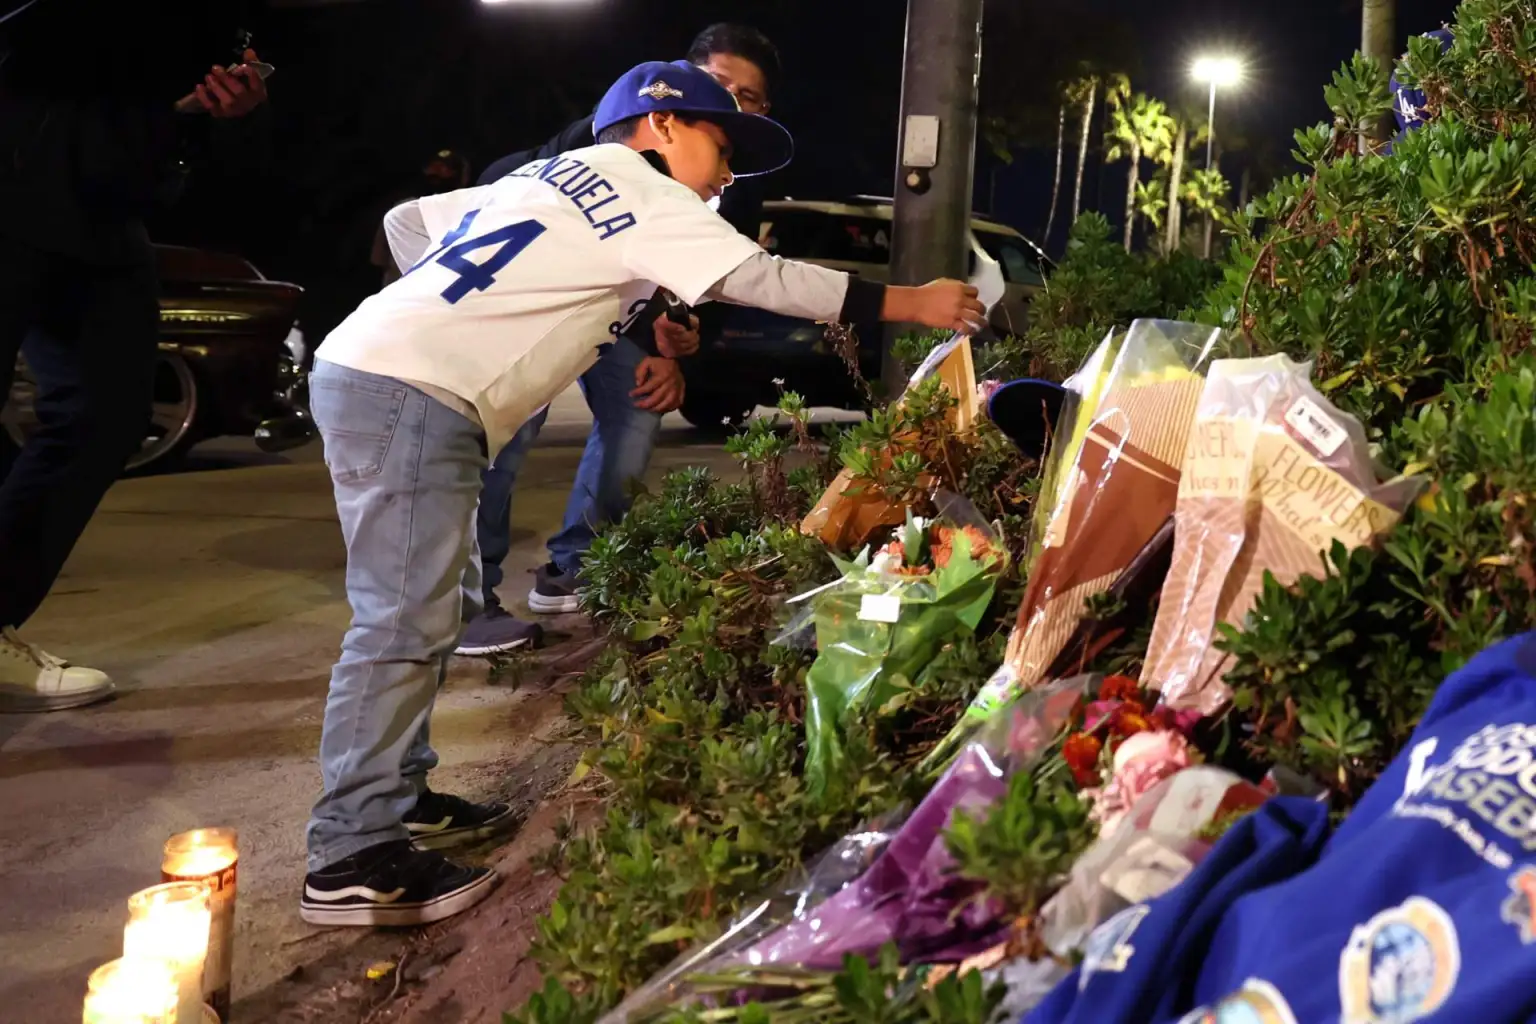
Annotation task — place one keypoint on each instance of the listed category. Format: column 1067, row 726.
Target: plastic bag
column 878, row 884
column 885, row 620
column 1272, row 477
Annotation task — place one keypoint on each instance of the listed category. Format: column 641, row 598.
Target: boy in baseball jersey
column 506, row 287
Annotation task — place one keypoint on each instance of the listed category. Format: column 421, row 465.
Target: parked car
column 230, row 362
column 737, row 370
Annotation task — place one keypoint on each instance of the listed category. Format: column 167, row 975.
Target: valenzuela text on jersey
column 587, row 189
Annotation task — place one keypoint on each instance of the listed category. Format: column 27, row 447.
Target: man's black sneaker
column 439, row 820
column 392, row 885
column 554, row 592
column 497, row 631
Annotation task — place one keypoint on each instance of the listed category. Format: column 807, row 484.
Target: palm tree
column 1205, row 192
column 1088, row 87
column 1152, row 201
column 1061, row 146
column 1140, row 126
column 1184, row 116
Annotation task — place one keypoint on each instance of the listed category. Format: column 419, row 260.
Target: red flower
column 1120, row 688
column 1081, row 752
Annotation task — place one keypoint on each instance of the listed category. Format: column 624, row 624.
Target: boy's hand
column 658, row 384
column 674, row 340
column 943, row 304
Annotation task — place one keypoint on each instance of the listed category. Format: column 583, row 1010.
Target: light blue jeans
column 406, row 471
column 618, row 451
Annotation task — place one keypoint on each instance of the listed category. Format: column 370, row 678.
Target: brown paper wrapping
column 1257, row 496
column 846, row 522
column 1122, row 489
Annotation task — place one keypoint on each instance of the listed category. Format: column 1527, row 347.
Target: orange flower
column 1081, row 752
column 1120, row 688
column 944, row 544
column 1129, row 719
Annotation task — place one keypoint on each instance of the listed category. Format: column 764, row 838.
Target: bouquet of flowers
column 887, row 617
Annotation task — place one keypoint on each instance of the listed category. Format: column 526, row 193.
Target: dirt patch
column 472, row 968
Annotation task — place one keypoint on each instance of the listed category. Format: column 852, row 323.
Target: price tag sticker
column 1315, row 426
column 880, row 608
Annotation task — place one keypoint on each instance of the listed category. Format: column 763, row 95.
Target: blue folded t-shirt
column 1421, row 906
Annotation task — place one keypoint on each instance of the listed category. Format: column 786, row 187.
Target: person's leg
column 618, row 451
column 405, row 469
column 493, row 519
column 494, row 630
column 90, row 338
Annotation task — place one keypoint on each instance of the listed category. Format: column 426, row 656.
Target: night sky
column 366, row 89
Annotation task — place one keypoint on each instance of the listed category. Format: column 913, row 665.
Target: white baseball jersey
column 526, row 277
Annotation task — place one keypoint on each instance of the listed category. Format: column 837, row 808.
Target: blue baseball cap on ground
column 760, row 145
column 1027, row 411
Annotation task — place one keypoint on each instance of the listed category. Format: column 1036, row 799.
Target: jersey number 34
column 454, row 251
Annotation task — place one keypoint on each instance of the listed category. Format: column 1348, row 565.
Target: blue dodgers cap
column 760, row 144
column 1027, row 411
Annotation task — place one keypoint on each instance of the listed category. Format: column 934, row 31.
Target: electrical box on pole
column 936, row 155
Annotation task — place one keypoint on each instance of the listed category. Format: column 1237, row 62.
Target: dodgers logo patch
column 1109, row 947
column 1399, row 966
column 1257, row 1002
column 1519, row 909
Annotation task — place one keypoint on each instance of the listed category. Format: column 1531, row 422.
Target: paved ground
column 214, row 597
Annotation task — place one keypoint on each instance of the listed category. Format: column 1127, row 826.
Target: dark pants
column 89, row 335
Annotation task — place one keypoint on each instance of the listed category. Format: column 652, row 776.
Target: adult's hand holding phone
column 674, row 340
column 229, row 92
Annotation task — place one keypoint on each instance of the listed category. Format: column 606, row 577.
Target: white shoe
column 31, row 679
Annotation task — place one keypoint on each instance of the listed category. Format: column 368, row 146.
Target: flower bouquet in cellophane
column 881, row 624
column 1110, row 485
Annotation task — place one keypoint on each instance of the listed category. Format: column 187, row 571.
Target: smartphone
column 188, row 104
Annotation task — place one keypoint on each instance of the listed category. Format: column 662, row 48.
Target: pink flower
column 1140, row 763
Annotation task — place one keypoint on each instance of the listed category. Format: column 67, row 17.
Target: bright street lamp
column 1216, row 71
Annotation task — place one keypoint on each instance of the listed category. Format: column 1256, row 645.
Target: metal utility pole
column 1378, row 41
column 936, row 153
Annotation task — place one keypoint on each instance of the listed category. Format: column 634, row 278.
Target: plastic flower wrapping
column 880, row 624
column 898, row 887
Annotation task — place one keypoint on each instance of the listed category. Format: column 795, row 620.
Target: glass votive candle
column 132, row 990
column 172, row 922
column 210, row 856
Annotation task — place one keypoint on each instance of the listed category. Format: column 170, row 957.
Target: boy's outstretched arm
column 816, row 293
column 681, row 245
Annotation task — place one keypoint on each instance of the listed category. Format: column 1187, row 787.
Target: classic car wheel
column 173, row 418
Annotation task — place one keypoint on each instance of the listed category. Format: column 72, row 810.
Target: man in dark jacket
column 93, row 101
column 627, row 391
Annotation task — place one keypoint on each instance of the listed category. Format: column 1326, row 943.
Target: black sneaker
column 439, row 820
column 392, row 885
column 554, row 592
column 497, row 631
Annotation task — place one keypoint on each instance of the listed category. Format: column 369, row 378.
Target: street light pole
column 936, row 156
column 1216, row 71
column 1210, row 129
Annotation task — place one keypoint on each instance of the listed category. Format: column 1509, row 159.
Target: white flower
column 778, row 382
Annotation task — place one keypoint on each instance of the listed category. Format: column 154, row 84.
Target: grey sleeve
column 785, row 287
column 407, row 234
